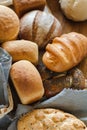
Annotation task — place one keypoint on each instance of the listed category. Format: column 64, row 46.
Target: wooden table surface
column 67, row 25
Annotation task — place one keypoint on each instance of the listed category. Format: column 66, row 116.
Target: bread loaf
column 22, row 50
column 23, row 6
column 9, row 24
column 65, row 52
column 49, row 119
column 39, row 27
column 27, row 81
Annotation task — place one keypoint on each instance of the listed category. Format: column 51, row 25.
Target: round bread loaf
column 22, row 50
column 49, row 119
column 39, row 27
column 75, row 10
column 27, row 81
column 9, row 24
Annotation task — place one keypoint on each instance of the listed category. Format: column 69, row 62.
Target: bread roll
column 27, row 81
column 23, row 6
column 22, row 50
column 75, row 10
column 9, row 24
column 65, row 52
column 49, row 119
column 39, row 27
column 6, row 2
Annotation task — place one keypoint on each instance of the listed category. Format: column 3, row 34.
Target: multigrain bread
column 65, row 52
column 27, row 81
column 9, row 24
column 22, row 50
column 23, row 6
column 39, row 27
column 49, row 119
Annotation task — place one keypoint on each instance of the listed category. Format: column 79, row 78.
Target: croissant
column 65, row 52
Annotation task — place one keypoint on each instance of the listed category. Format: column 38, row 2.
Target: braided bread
column 65, row 52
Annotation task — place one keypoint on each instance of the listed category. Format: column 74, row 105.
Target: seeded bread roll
column 27, row 81
column 22, row 50
column 23, row 6
column 65, row 52
column 39, row 27
column 49, row 119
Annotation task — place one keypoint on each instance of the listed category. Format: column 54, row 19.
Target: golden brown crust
column 22, row 50
column 39, row 27
column 65, row 52
column 27, row 81
column 9, row 24
column 23, row 6
column 49, row 119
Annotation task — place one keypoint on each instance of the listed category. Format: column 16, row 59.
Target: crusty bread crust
column 27, row 81
column 22, row 50
column 49, row 119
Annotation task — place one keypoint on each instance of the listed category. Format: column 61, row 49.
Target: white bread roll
column 6, row 2
column 74, row 9
column 27, row 81
column 22, row 50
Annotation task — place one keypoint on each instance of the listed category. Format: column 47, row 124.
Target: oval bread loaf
column 39, row 27
column 27, row 81
column 65, row 52
column 22, row 50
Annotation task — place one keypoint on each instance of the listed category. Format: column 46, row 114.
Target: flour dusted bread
column 23, row 6
column 22, row 50
column 6, row 2
column 39, row 27
column 49, row 119
column 65, row 52
column 9, row 24
column 27, row 81
column 74, row 9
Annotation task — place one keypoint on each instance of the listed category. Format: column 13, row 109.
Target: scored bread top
column 39, row 27
column 49, row 119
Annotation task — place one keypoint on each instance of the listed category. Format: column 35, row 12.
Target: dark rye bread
column 39, row 27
